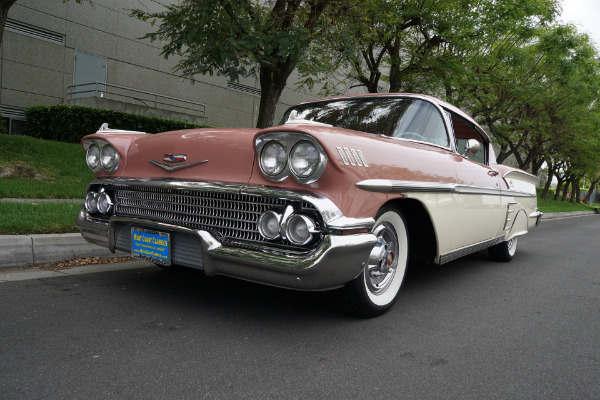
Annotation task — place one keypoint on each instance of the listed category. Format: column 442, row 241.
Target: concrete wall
column 35, row 71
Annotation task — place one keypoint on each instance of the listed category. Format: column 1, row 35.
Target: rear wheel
column 504, row 251
column 375, row 290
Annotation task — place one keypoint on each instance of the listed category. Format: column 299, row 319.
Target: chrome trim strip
column 350, row 157
column 391, row 186
column 466, row 189
column 356, row 157
column 517, row 193
column 362, row 157
column 453, row 255
column 171, row 168
column 343, row 155
column 387, row 185
column 509, row 222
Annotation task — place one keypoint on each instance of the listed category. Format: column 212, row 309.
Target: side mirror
column 472, row 147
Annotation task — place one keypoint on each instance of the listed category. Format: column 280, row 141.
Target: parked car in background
column 337, row 197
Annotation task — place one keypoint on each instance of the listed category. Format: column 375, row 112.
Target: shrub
column 2, row 128
column 68, row 123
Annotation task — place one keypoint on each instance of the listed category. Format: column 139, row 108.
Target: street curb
column 20, row 250
column 558, row 215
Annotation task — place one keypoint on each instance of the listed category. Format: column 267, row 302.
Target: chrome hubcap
column 382, row 260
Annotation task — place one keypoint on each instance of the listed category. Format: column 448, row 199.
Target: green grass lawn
column 46, row 169
column 31, row 217
column 549, row 206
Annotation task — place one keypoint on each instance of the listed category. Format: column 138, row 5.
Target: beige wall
column 34, row 71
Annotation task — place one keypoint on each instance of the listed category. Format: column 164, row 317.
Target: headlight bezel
column 95, row 166
column 304, row 177
column 281, row 173
column 112, row 163
column 289, row 141
column 103, row 146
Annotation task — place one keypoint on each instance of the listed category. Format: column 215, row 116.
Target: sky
column 585, row 14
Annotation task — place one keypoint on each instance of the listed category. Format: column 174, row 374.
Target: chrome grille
column 231, row 218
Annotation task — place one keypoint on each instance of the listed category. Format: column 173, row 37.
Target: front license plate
column 150, row 245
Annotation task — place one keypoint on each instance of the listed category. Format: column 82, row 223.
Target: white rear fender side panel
column 519, row 226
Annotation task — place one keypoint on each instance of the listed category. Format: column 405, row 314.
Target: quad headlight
column 101, row 155
column 92, row 157
column 268, row 225
column 298, row 229
column 304, row 159
column 109, row 158
column 98, row 202
column 289, row 153
column 91, row 202
column 273, row 158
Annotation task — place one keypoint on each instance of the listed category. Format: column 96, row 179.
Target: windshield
column 396, row 117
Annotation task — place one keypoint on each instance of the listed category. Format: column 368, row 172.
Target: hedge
column 68, row 123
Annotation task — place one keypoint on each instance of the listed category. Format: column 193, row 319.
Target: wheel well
column 422, row 241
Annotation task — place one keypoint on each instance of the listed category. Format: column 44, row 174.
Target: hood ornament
column 175, row 158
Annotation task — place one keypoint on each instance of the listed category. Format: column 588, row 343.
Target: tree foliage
column 533, row 82
column 239, row 38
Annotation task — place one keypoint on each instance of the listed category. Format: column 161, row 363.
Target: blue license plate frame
column 151, row 245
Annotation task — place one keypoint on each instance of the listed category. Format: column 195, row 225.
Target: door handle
column 493, row 173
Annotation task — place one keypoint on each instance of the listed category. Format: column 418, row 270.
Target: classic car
column 337, row 197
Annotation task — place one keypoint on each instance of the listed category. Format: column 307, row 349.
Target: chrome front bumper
column 338, row 260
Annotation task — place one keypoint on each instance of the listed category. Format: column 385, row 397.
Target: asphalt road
column 471, row 329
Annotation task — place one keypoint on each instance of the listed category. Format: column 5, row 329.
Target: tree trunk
column 588, row 195
column 575, row 191
column 272, row 82
column 544, row 194
column 5, row 5
column 566, row 190
column 395, row 78
column 558, row 189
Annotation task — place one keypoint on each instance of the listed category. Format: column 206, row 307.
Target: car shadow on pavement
column 192, row 291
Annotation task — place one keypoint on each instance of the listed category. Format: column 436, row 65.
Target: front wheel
column 375, row 290
column 504, row 251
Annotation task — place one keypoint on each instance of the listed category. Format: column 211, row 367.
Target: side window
column 463, row 131
column 422, row 121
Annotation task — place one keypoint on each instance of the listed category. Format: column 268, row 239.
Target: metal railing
column 148, row 99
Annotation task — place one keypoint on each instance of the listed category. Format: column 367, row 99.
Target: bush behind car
column 69, row 123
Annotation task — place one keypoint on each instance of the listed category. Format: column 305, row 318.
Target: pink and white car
column 337, row 197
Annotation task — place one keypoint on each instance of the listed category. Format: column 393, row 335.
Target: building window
column 13, row 119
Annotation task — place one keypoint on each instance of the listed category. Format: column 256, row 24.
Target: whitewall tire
column 504, row 251
column 376, row 289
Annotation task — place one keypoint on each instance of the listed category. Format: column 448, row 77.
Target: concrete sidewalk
column 17, row 250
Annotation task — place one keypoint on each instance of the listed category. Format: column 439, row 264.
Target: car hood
column 223, row 155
